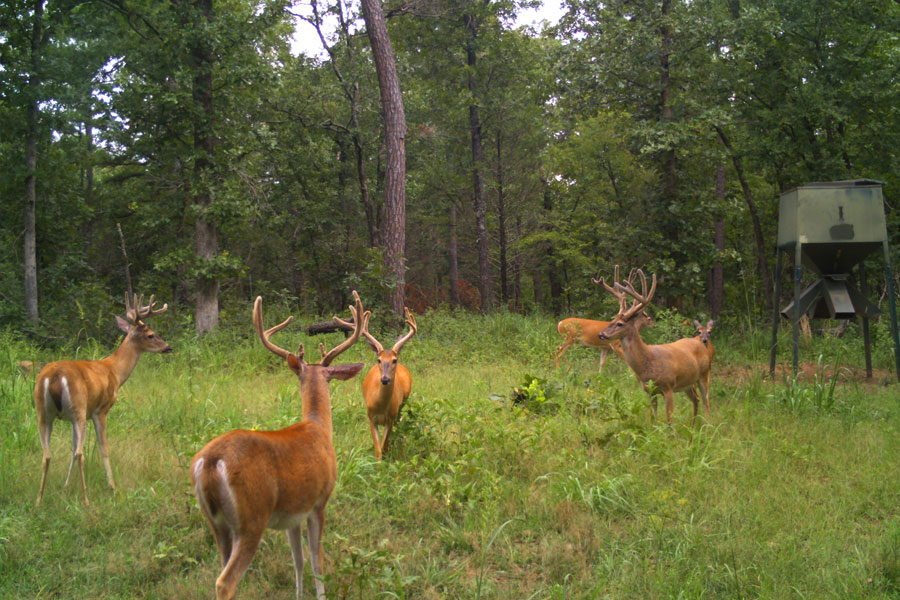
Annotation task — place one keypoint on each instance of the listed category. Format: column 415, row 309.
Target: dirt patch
column 740, row 374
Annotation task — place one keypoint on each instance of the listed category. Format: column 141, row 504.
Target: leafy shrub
column 537, row 395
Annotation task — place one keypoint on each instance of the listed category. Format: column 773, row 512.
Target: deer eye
column 395, row 361
column 151, row 336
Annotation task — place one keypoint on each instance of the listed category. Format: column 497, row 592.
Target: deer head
column 137, row 333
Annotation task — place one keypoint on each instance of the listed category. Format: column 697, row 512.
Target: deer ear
column 123, row 324
column 697, row 324
column 710, row 324
column 294, row 363
column 344, row 372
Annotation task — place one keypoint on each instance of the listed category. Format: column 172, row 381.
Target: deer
column 249, row 481
column 673, row 367
column 78, row 390
column 584, row 332
column 388, row 383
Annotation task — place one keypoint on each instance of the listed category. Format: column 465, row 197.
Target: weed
column 536, row 395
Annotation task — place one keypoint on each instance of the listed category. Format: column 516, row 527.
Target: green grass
column 570, row 492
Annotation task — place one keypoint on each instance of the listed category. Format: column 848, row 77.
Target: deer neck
column 637, row 353
column 317, row 402
column 123, row 360
column 385, row 393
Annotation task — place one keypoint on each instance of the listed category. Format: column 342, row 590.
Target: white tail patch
column 198, row 485
column 227, row 499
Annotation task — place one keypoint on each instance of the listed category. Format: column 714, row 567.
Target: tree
column 395, row 134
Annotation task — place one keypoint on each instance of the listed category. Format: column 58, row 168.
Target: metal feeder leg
column 775, row 312
column 890, row 285
column 798, row 272
column 863, row 288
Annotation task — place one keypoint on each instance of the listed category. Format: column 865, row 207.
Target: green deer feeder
column 830, row 228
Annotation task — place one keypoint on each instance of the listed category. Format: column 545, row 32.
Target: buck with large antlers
column 673, row 367
column 248, row 481
column 78, row 390
column 387, row 385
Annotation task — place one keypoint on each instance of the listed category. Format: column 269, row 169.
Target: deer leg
column 223, row 535
column 704, row 387
column 242, row 552
column 603, row 352
column 692, row 394
column 387, row 434
column 377, row 443
column 100, row 429
column 670, row 404
column 45, row 428
column 74, row 450
column 562, row 350
column 79, row 431
column 295, row 539
column 653, row 407
column 315, row 524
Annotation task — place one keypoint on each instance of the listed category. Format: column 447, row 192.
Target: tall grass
column 578, row 495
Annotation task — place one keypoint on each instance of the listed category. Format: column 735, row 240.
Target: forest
column 654, row 134
column 464, row 179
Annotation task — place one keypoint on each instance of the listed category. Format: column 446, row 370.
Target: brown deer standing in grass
column 387, row 385
column 78, row 390
column 673, row 367
column 585, row 332
column 248, row 481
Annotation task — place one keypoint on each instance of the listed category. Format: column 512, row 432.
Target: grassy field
column 789, row 491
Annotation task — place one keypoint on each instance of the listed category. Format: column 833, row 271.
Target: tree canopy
column 534, row 160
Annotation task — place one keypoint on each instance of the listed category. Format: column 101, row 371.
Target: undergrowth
column 506, row 477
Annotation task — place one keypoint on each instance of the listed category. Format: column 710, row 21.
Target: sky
column 306, row 40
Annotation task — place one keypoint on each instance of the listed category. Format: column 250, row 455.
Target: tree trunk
column 501, row 224
column 717, row 285
column 453, row 257
column 395, row 135
column 31, row 141
column 206, row 235
column 669, row 156
column 517, row 269
column 762, row 265
column 484, row 273
column 552, row 267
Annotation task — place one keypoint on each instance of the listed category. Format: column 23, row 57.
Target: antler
column 135, row 313
column 411, row 321
column 642, row 299
column 358, row 315
column 264, row 335
column 365, row 330
column 326, row 357
column 618, row 295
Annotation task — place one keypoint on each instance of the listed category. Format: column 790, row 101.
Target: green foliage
column 536, row 395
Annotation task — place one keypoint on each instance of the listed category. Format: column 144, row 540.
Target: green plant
column 536, row 395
